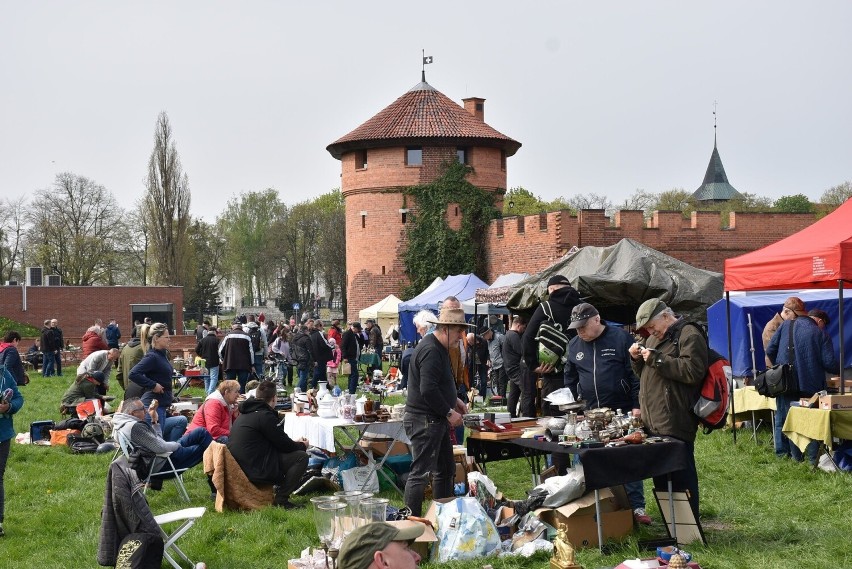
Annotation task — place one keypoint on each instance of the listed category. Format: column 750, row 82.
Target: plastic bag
column 361, row 478
column 564, row 489
column 465, row 531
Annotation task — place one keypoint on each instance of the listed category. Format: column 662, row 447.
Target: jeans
column 303, row 379
column 481, row 372
column 192, row 447
column 5, row 446
column 48, row 369
column 57, row 358
column 353, row 375
column 174, row 427
column 784, row 447
column 241, row 375
column 258, row 365
column 210, row 383
column 320, row 374
column 635, row 494
column 431, row 455
column 519, row 398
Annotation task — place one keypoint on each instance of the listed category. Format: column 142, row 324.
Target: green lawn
column 758, row 512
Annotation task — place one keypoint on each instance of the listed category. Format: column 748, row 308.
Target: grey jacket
column 141, row 434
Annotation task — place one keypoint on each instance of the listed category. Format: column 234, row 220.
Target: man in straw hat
column 671, row 368
column 379, row 545
column 431, row 409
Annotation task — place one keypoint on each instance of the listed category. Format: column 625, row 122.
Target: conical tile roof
column 422, row 115
column 715, row 186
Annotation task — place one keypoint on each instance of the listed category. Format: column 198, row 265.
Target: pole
column 840, row 332
column 731, row 359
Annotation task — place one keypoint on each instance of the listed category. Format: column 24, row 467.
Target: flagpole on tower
column 426, row 60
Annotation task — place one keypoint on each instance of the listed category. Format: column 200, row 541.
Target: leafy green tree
column 836, row 195
column 331, row 247
column 202, row 293
column 297, row 234
column 520, row 201
column 248, row 231
column 676, row 199
column 434, row 249
column 166, row 208
column 798, row 203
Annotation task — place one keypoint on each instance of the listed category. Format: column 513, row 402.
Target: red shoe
column 640, row 517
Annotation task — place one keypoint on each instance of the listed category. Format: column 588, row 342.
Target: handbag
column 345, row 368
column 780, row 379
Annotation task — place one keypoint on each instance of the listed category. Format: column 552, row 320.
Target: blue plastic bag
column 465, row 531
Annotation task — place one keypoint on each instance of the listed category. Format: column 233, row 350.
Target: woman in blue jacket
column 154, row 371
column 11, row 402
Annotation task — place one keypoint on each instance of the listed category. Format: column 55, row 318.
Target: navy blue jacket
column 813, row 353
column 154, row 368
column 600, row 372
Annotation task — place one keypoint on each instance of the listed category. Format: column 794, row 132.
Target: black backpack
column 254, row 334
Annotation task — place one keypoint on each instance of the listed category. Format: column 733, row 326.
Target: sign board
column 296, row 306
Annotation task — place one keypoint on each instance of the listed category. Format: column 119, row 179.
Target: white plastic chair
column 175, row 473
column 188, row 516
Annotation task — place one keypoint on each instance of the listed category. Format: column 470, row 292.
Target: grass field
column 758, row 512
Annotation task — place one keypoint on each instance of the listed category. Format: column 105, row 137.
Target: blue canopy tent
column 762, row 308
column 460, row 286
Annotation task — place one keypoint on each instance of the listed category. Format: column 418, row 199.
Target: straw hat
column 451, row 317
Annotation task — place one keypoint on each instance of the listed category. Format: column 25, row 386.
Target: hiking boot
column 640, row 517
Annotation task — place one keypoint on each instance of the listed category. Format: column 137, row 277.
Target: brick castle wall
column 77, row 307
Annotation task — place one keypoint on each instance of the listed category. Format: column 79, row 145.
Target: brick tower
column 405, row 145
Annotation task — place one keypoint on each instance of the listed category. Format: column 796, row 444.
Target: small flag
column 427, row 60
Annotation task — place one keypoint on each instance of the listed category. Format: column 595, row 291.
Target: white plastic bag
column 354, row 478
column 564, row 489
column 465, row 531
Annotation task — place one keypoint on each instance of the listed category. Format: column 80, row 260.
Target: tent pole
column 840, row 331
column 731, row 359
column 751, row 346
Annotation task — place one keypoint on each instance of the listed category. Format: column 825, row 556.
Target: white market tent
column 503, row 283
column 385, row 312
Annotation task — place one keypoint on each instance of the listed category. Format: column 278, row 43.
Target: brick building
column 405, row 144
column 76, row 307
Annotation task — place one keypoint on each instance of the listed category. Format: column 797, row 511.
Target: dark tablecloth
column 611, row 466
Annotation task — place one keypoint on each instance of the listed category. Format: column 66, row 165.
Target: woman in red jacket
column 93, row 341
column 218, row 411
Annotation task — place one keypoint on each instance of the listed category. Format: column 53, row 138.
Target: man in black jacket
column 48, row 348
column 322, row 353
column 237, row 355
column 59, row 340
column 208, row 349
column 302, row 352
column 350, row 349
column 264, row 451
column 519, row 395
column 563, row 298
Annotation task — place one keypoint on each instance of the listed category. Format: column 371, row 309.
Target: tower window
column 463, row 155
column 361, row 160
column 363, row 221
column 383, row 269
column 404, row 216
column 502, row 159
column 414, row 156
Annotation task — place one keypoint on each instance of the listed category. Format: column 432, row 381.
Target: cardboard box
column 835, row 402
column 579, row 517
column 834, row 383
column 506, row 522
column 381, row 447
column 423, row 544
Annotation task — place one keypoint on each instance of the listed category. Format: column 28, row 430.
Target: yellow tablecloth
column 747, row 400
column 805, row 425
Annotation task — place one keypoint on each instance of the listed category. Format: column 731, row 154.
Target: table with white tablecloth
column 320, row 432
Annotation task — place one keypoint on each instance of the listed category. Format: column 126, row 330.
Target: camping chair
column 188, row 516
column 175, row 473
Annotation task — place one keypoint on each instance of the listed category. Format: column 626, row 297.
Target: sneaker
column 640, row 517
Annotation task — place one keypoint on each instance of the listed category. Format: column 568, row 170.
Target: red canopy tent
column 818, row 256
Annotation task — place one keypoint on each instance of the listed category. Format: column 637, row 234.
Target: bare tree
column 167, row 208
column 836, row 195
column 72, row 231
column 12, row 229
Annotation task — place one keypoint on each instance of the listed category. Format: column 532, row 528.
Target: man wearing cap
column 599, row 372
column 350, row 349
column 495, row 358
column 793, row 307
column 432, row 407
column 379, row 545
column 563, row 298
column 812, row 355
column 671, row 368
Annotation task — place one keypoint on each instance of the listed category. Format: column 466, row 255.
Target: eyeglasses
column 138, row 410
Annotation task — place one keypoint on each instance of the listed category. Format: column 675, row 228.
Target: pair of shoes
column 640, row 517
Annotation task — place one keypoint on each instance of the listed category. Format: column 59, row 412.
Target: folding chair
column 175, row 473
column 188, row 516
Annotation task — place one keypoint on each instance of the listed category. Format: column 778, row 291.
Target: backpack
column 551, row 339
column 254, row 334
column 714, row 398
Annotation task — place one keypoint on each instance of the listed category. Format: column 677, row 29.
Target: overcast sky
column 605, row 97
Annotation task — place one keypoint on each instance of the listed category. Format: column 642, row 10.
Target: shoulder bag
column 780, row 379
